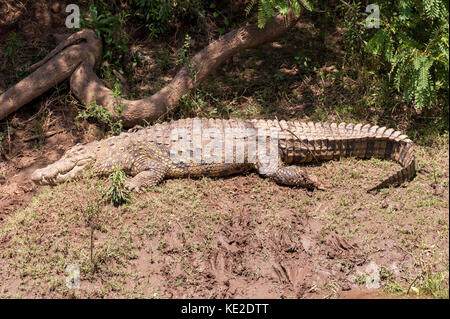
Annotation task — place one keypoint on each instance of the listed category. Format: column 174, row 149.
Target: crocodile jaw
column 68, row 167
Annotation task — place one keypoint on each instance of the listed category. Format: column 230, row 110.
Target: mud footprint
column 290, row 273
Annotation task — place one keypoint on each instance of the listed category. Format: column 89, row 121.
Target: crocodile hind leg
column 294, row 176
column 153, row 175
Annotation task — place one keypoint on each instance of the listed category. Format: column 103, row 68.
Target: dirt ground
column 237, row 237
column 240, row 237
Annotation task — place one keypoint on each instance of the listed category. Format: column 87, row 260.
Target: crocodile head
column 74, row 161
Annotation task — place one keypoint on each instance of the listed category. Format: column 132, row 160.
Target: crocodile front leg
column 153, row 174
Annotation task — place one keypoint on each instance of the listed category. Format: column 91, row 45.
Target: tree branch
column 77, row 56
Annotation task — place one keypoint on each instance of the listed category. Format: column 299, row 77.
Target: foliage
column 110, row 27
column 184, row 57
column 159, row 15
column 91, row 213
column 12, row 46
column 107, row 72
column 267, row 8
column 117, row 194
column 183, row 53
column 216, row 13
column 413, row 39
column 434, row 284
column 103, row 116
column 356, row 34
column 156, row 14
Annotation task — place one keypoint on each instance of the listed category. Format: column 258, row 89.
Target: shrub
column 413, row 40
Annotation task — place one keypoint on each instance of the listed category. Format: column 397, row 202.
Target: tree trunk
column 77, row 60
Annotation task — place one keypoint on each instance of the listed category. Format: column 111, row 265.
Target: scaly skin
column 144, row 153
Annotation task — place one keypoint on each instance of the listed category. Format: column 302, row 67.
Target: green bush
column 116, row 193
column 413, row 40
column 156, row 14
column 268, row 8
column 159, row 15
column 110, row 27
column 107, row 120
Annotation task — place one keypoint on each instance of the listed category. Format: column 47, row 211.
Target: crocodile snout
column 51, row 174
column 60, row 171
column 36, row 176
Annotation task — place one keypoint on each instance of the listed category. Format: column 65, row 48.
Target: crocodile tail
column 400, row 149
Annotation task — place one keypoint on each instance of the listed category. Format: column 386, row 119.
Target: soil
column 237, row 237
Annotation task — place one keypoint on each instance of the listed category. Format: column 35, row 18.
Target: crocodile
column 183, row 148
